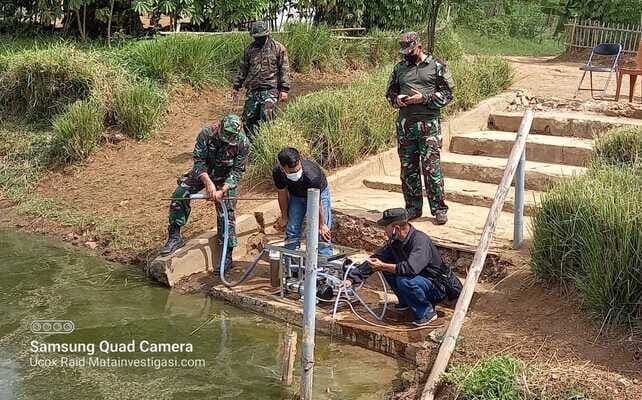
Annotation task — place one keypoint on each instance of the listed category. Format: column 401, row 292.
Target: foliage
column 40, row 83
column 310, row 46
column 492, row 379
column 586, row 232
column 198, row 60
column 620, row 146
column 78, row 130
column 476, row 43
column 138, row 107
column 339, row 126
column 615, row 11
column 501, row 18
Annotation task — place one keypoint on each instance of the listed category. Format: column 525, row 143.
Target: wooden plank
column 288, row 356
column 450, row 338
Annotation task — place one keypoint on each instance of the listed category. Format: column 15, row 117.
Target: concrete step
column 465, row 222
column 574, row 124
column 539, row 176
column 543, row 148
column 461, row 191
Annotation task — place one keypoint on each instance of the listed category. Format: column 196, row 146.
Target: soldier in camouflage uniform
column 420, row 86
column 219, row 157
column 264, row 72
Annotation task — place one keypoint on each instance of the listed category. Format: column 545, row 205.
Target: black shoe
column 425, row 321
column 413, row 214
column 441, row 218
column 174, row 240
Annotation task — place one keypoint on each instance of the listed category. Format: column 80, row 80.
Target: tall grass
column 586, row 232
column 620, row 146
column 137, row 108
column 338, row 126
column 492, row 379
column 198, row 60
column 78, row 130
column 38, row 84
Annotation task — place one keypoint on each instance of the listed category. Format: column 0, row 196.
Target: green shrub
column 38, row 84
column 273, row 137
column 449, row 46
column 620, row 146
column 478, row 78
column 586, row 232
column 312, row 47
column 195, row 59
column 138, row 107
column 78, row 130
column 492, row 379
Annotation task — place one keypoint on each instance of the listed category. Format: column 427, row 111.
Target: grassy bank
column 477, row 43
column 507, row 378
column 337, row 127
column 586, row 232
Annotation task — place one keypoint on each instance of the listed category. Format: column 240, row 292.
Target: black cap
column 393, row 215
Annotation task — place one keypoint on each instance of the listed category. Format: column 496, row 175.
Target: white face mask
column 295, row 176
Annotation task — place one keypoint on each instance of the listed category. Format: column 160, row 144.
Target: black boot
column 174, row 240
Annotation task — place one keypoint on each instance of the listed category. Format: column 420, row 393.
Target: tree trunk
column 82, row 35
column 84, row 22
column 432, row 24
column 111, row 15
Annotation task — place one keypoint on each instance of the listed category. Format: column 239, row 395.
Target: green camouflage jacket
column 264, row 67
column 221, row 160
column 430, row 77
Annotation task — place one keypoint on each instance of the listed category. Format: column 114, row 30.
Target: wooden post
column 288, row 356
column 450, row 338
column 572, row 41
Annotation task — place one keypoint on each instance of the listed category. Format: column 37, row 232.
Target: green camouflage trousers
column 179, row 210
column 418, row 145
column 259, row 107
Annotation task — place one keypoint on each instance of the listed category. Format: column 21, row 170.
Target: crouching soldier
column 219, row 162
column 412, row 266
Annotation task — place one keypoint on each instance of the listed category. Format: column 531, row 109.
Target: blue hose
column 226, row 235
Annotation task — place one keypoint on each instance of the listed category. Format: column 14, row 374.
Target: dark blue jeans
column 416, row 292
column 297, row 208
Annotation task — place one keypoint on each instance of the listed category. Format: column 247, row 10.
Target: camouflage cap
column 408, row 42
column 259, row 29
column 231, row 129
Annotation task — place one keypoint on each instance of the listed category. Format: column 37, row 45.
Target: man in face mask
column 264, row 73
column 412, row 266
column 420, row 86
column 292, row 178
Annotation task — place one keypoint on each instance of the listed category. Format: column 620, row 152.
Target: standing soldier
column 420, row 86
column 219, row 162
column 264, row 72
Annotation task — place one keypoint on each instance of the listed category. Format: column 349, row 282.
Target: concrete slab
column 398, row 338
column 465, row 222
column 461, row 191
column 575, row 124
column 542, row 148
column 539, row 176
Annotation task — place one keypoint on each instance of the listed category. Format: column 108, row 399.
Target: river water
column 118, row 317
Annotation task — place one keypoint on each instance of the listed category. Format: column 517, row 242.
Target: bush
column 492, row 379
column 476, row 79
column 586, row 232
column 620, row 146
column 195, row 59
column 312, row 47
column 138, row 107
column 78, row 130
column 39, row 84
column 449, row 46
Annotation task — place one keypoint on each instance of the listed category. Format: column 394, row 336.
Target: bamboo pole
column 450, row 338
column 288, row 356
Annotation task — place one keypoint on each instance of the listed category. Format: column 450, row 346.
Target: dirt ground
column 129, row 181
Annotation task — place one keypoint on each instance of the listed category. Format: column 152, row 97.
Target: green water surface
column 117, row 305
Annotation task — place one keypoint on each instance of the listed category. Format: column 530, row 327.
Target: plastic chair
column 613, row 50
column 633, row 74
